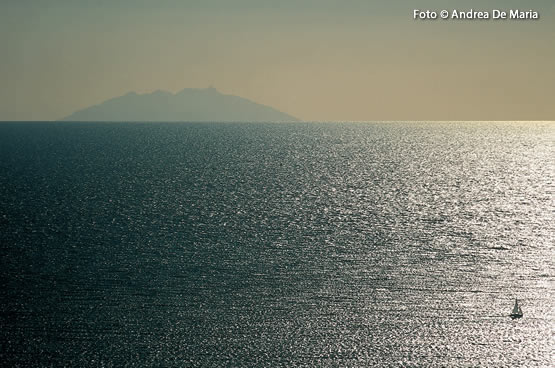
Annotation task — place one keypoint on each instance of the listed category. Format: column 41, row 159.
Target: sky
column 318, row 60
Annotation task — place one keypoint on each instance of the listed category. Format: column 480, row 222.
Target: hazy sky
column 314, row 59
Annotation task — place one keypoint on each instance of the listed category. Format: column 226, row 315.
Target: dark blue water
column 310, row 244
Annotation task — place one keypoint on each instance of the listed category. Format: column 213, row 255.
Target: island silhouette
column 189, row 104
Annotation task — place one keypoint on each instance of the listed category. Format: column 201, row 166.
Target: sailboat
column 517, row 312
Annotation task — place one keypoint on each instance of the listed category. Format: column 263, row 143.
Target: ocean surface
column 277, row 245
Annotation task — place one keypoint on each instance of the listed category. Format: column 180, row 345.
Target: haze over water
column 307, row 244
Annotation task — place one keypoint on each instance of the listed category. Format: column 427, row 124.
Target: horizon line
column 281, row 121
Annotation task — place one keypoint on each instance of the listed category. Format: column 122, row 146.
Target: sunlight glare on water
column 309, row 244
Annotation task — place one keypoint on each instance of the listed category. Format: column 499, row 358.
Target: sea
column 345, row 244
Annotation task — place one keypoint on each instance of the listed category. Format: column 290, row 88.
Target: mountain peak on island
column 189, row 104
